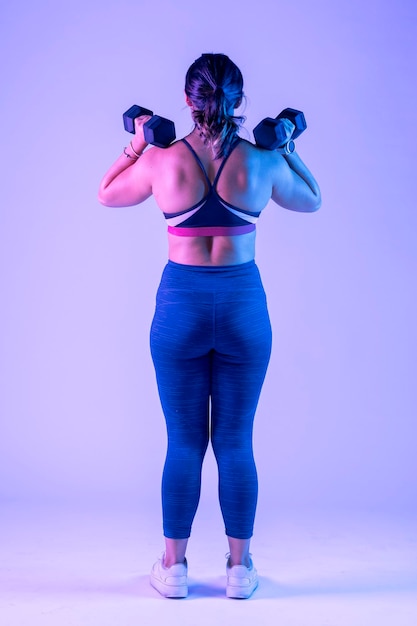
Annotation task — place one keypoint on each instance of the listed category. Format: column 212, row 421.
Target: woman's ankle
column 243, row 561
column 167, row 563
column 239, row 552
column 174, row 551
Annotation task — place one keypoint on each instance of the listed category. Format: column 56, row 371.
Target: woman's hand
column 138, row 142
column 289, row 128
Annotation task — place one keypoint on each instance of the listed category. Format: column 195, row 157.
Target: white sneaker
column 241, row 580
column 171, row 582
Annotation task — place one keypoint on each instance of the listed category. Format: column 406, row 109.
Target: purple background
column 80, row 415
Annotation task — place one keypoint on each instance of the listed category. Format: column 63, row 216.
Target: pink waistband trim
column 211, row 231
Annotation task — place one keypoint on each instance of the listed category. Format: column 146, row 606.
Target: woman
column 210, row 336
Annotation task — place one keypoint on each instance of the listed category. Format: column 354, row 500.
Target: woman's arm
column 294, row 187
column 128, row 181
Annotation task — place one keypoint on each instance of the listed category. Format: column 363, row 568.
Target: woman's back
column 179, row 182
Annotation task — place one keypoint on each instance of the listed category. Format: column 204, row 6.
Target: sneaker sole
column 168, row 591
column 240, row 593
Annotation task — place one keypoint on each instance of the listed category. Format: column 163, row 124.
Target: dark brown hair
column 214, row 85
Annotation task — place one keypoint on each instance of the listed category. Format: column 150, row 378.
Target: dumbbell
column 270, row 133
column 158, row 130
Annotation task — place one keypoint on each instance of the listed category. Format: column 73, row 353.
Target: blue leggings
column 210, row 344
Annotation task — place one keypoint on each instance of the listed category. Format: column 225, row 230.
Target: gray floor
column 88, row 565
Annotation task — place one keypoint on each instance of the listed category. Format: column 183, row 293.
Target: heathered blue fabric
column 210, row 344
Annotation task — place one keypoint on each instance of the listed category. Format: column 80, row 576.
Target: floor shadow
column 139, row 586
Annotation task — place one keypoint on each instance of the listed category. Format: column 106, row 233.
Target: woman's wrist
column 133, row 153
column 287, row 148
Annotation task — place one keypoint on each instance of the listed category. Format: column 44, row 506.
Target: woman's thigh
column 180, row 347
column 240, row 361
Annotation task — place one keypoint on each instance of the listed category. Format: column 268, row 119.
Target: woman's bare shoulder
column 155, row 153
column 260, row 161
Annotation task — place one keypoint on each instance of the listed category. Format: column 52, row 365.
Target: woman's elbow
column 314, row 202
column 306, row 206
column 316, row 205
column 102, row 199
column 102, row 196
column 105, row 198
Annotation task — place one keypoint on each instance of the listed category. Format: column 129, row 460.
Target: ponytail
column 214, row 85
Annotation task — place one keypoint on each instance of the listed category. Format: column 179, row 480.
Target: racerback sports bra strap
column 211, row 215
column 222, row 164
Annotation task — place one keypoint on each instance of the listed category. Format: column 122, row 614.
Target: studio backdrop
column 79, row 411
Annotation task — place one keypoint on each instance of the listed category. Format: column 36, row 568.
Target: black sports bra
column 212, row 215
